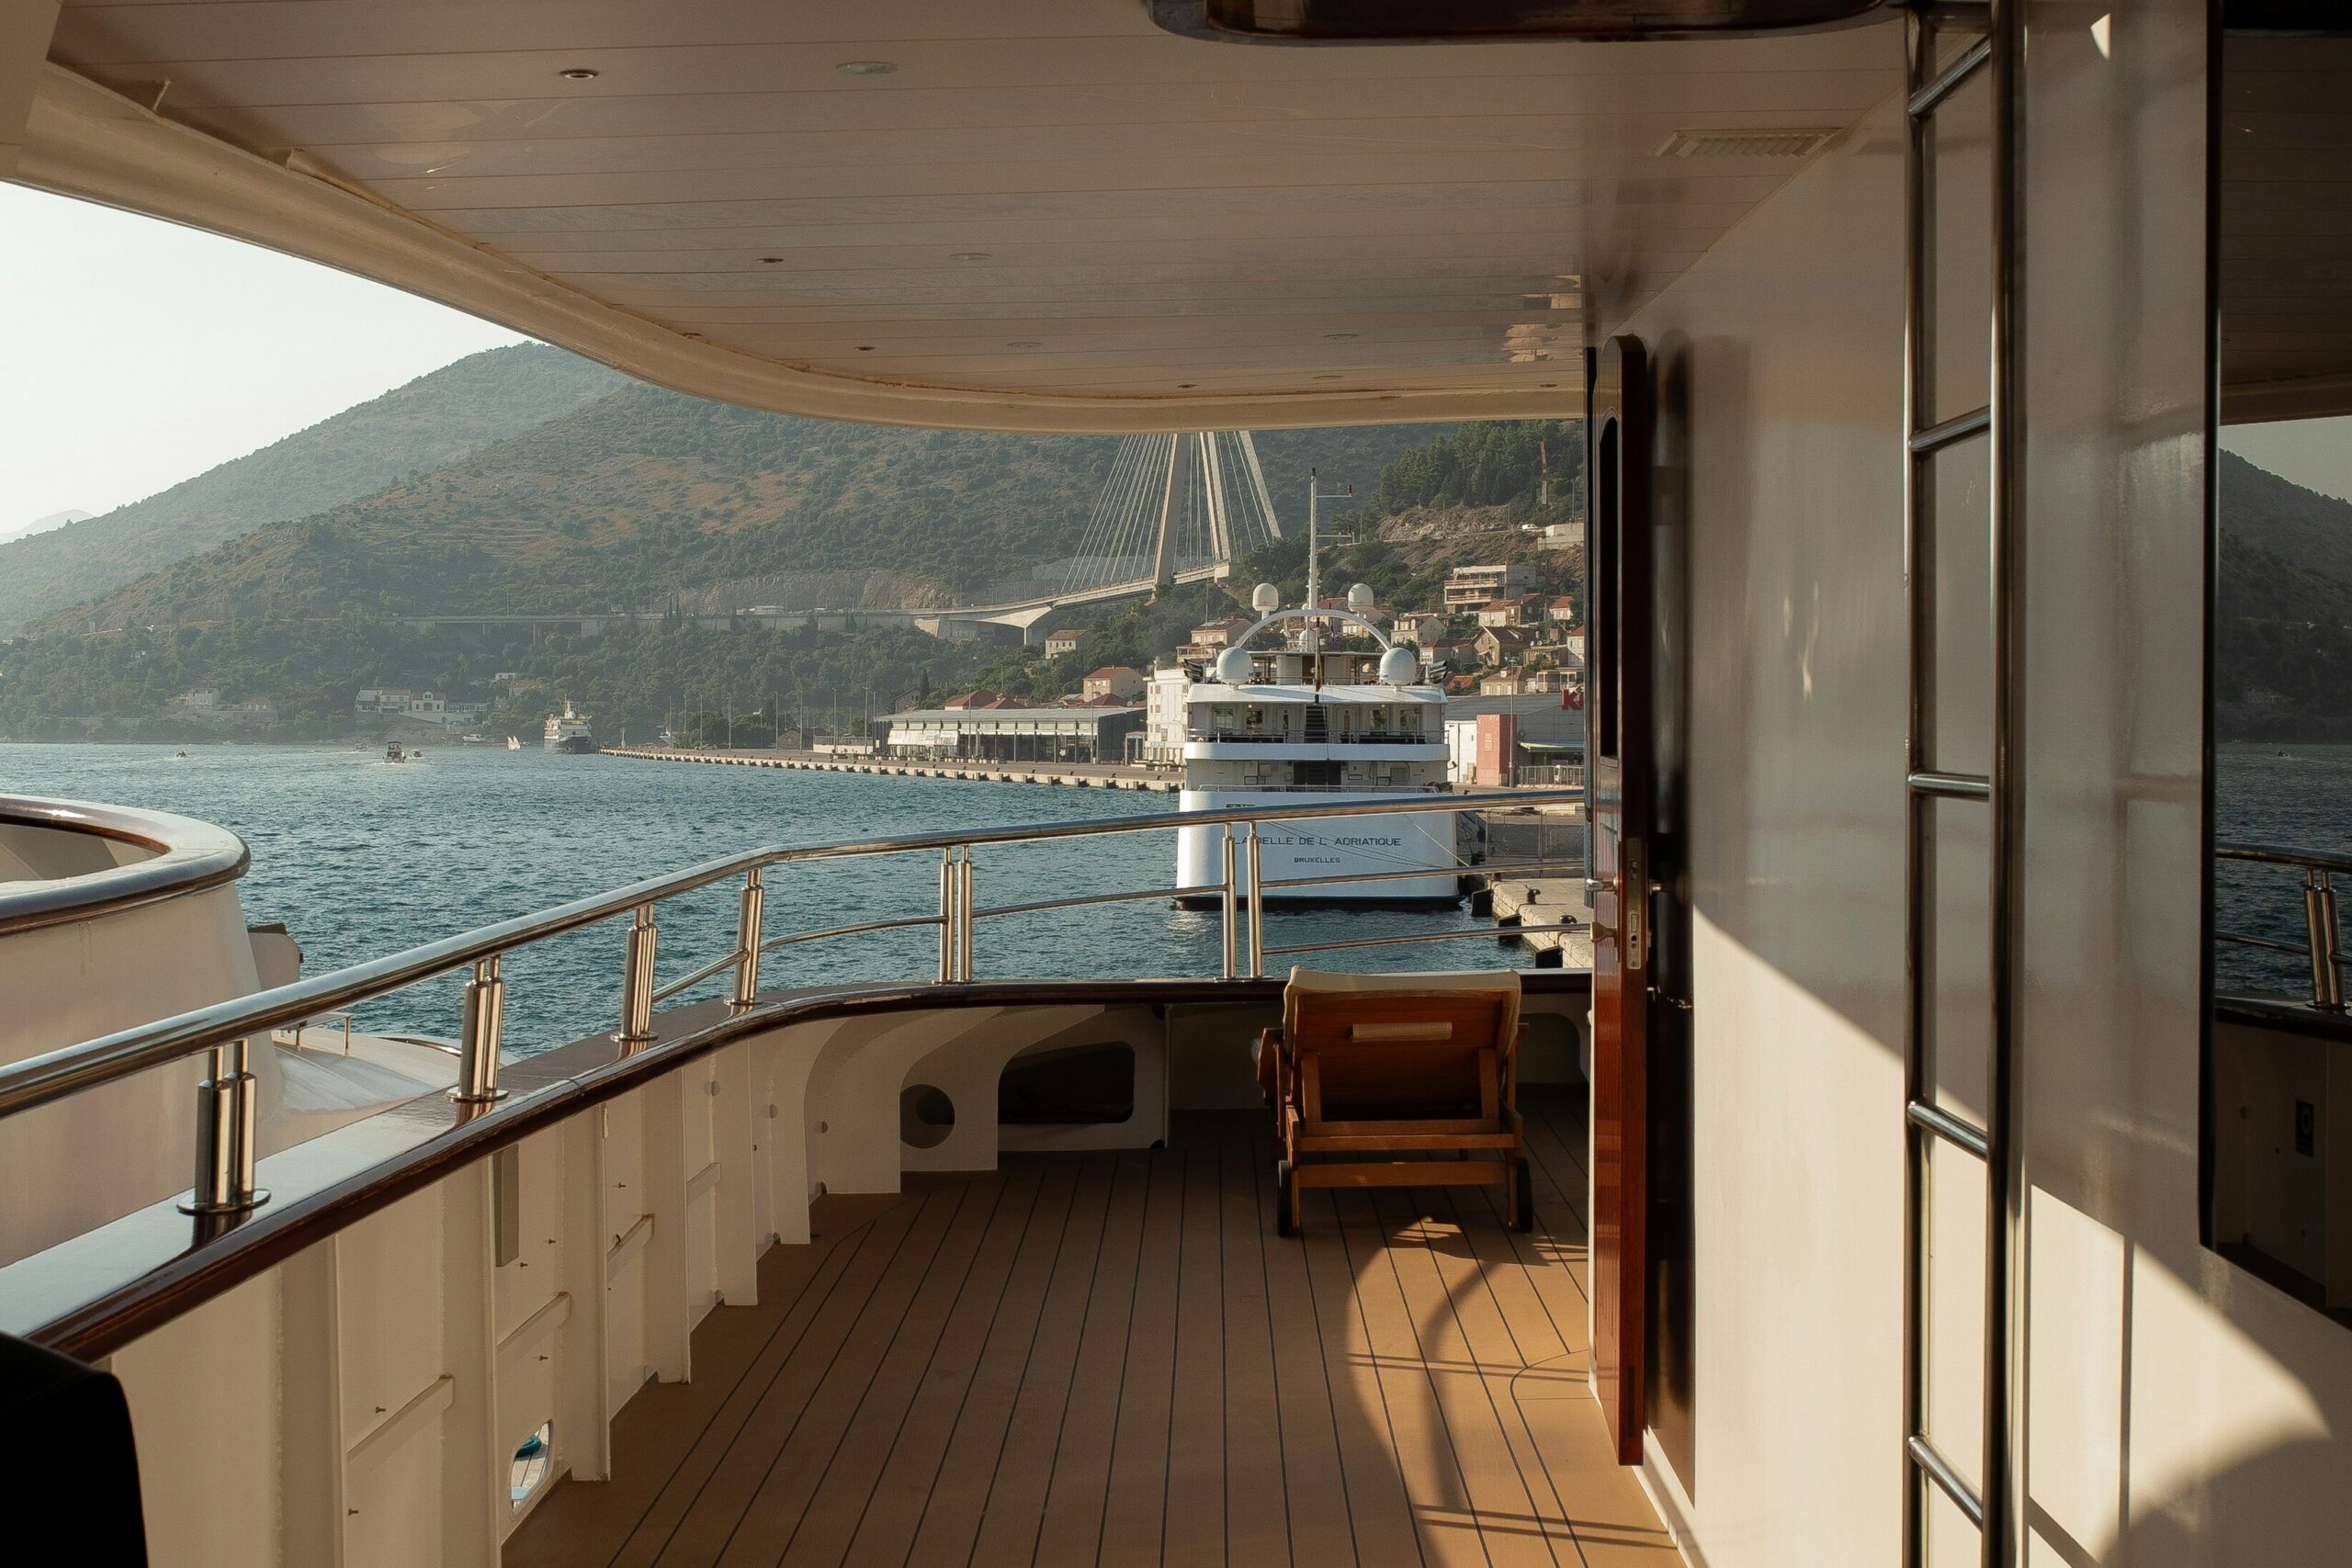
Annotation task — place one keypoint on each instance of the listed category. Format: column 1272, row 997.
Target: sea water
column 360, row 857
column 2297, row 797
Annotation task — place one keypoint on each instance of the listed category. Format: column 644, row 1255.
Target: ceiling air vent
column 1797, row 144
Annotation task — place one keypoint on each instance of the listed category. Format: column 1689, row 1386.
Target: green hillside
column 483, row 399
column 2281, row 518
column 649, row 493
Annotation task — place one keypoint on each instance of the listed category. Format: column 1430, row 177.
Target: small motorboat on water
column 393, row 753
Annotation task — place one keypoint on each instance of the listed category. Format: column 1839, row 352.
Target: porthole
column 925, row 1116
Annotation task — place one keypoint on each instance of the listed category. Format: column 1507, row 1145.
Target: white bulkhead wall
column 2178, row 1411
column 359, row 1404
column 1779, row 365
column 82, row 979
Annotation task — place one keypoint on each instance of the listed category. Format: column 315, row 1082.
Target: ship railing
column 1258, row 786
column 1358, row 737
column 227, row 1102
column 2322, row 948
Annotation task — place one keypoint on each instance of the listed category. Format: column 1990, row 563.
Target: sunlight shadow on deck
column 1113, row 1358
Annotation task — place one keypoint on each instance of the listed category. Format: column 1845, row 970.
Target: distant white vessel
column 512, row 744
column 1284, row 724
column 568, row 731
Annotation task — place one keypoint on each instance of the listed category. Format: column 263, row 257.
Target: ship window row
column 1317, row 723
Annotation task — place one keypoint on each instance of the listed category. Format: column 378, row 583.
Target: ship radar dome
column 1266, row 598
column 1360, row 599
column 1234, row 666
column 1400, row 667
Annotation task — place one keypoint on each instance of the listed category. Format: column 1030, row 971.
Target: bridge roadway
column 1024, row 615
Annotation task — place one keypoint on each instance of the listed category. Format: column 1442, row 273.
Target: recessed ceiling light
column 1025, row 343
column 967, row 255
column 867, row 67
column 580, row 74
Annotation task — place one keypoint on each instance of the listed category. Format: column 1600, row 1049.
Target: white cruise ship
column 568, row 730
column 1280, row 723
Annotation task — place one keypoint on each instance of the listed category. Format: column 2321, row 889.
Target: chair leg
column 1522, row 1196
column 1286, row 1215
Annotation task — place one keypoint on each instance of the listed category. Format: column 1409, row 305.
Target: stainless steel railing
column 226, row 1147
column 2322, row 948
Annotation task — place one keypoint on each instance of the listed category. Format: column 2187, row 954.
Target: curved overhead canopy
column 1038, row 214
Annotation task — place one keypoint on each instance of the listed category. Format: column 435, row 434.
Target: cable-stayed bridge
column 1177, row 508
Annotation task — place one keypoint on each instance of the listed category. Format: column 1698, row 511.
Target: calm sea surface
column 360, row 859
column 2294, row 797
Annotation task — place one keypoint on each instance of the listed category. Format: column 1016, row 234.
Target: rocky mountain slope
column 483, row 399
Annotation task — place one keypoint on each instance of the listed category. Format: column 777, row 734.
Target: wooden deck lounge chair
column 1402, row 1066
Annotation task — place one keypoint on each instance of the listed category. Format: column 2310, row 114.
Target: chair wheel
column 1524, row 1183
column 1286, row 1198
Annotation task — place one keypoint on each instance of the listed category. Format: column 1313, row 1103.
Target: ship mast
column 1308, row 643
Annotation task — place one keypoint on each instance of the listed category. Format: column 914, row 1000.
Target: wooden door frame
column 1621, row 775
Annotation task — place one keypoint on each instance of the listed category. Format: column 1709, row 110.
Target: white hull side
column 1324, row 846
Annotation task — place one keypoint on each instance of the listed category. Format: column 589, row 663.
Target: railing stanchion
column 947, row 914
column 637, row 982
column 964, row 916
column 1256, row 905
column 2319, row 922
column 478, row 1035
column 226, row 1112
column 1226, row 900
column 747, row 940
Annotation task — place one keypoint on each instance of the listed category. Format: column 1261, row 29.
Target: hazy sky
column 136, row 354
column 2315, row 453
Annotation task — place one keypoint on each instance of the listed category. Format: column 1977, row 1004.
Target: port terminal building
column 1014, row 735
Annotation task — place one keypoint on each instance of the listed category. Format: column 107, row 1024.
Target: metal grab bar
column 1498, row 934
column 53, row 1075
column 732, row 959
column 1201, row 892
column 2275, row 854
column 859, row 930
column 1400, row 875
column 2241, row 940
column 2322, row 944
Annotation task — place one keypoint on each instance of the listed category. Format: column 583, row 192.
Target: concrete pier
column 1069, row 775
column 1545, row 901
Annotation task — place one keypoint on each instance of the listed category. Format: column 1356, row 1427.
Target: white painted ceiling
column 1047, row 203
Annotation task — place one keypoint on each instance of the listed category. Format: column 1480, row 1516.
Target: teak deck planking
column 1114, row 1358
